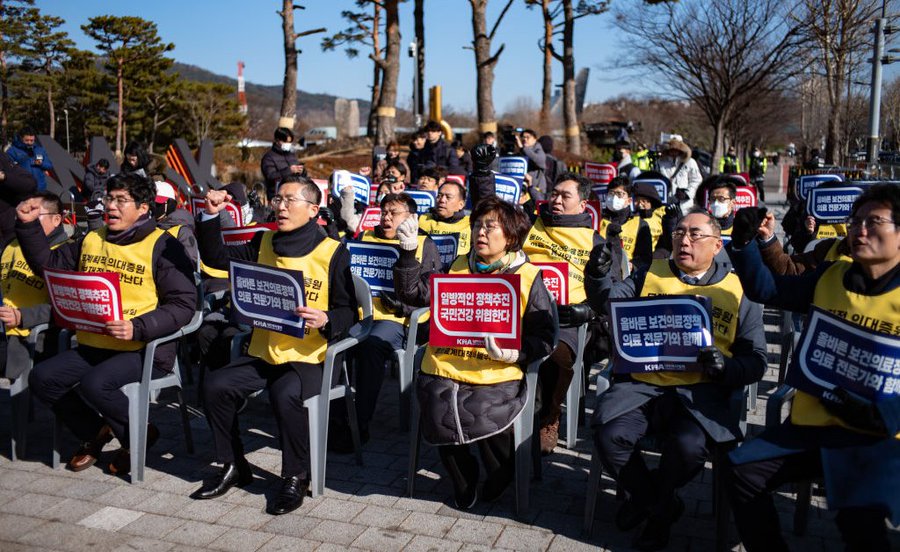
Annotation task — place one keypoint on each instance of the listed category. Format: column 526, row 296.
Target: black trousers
column 555, row 376
column 369, row 360
column 288, row 384
column 751, row 486
column 79, row 383
column 497, row 455
column 684, row 450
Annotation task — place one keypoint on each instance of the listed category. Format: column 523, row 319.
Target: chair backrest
column 363, row 296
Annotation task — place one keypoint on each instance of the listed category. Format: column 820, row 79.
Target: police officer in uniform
column 563, row 233
column 864, row 291
column 688, row 410
column 448, row 217
column 290, row 368
column 158, row 298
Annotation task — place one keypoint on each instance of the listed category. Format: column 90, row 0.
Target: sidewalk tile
column 195, row 533
column 377, row 539
column 335, row 532
column 339, row 510
column 241, row 540
column 284, row 543
column 519, row 538
column 110, row 518
column 152, row 526
column 377, row 516
column 422, row 543
column 475, row 532
column 428, row 524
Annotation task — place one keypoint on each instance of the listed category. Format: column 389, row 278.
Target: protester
column 158, row 297
column 688, row 410
column 137, row 160
column 175, row 220
column 16, row 183
column 438, row 152
column 290, row 368
column 529, row 147
column 632, row 230
column 624, row 164
column 722, row 192
column 839, row 423
column 280, row 161
column 565, row 233
column 650, row 208
column 476, row 400
column 448, row 216
column 417, row 158
column 391, row 159
column 427, row 182
column 465, row 159
column 682, row 171
column 95, row 177
column 29, row 154
column 553, row 167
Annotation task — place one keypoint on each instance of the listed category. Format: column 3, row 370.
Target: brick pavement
column 363, row 508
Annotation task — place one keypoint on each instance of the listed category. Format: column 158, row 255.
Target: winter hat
column 238, row 191
column 164, row 192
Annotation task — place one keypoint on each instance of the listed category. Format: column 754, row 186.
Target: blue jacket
column 25, row 157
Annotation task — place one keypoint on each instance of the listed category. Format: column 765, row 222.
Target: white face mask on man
column 719, row 209
column 285, row 147
column 615, row 203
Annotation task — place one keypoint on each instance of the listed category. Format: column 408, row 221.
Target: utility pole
column 417, row 98
column 872, row 144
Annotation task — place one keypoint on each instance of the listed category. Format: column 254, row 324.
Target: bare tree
column 386, row 111
column 715, row 53
column 288, row 115
column 485, row 62
column 835, row 28
column 549, row 14
column 890, row 110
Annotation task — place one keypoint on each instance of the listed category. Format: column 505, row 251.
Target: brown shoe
column 549, row 437
column 121, row 463
column 89, row 452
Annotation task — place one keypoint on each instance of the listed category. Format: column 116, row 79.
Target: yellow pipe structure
column 434, row 111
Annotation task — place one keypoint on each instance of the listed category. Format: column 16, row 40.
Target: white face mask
column 286, row 147
column 719, row 209
column 379, row 198
column 247, row 213
column 615, row 203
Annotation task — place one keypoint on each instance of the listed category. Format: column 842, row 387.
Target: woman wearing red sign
column 474, row 394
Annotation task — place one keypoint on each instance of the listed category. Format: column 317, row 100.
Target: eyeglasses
column 448, row 197
column 619, row 193
column 289, row 201
column 488, row 228
column 721, row 198
column 869, row 222
column 394, row 213
column 120, row 201
column 693, row 235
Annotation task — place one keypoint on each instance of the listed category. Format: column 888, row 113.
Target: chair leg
column 721, row 506
column 573, row 407
column 354, row 425
column 138, row 416
column 186, row 422
column 590, row 502
column 801, row 511
column 415, row 441
column 405, row 379
column 754, row 390
column 57, row 439
column 317, row 447
column 524, row 457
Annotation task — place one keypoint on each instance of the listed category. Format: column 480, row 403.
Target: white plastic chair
column 576, row 390
column 405, row 359
column 20, row 399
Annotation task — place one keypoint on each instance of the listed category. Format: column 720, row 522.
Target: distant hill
column 265, row 101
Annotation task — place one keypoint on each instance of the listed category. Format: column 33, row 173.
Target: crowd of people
column 692, row 242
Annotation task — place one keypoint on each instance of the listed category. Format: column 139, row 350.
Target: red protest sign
column 593, row 208
column 323, row 187
column 556, row 280
column 84, row 300
column 746, row 197
column 373, row 193
column 198, row 204
column 243, row 234
column 458, row 178
column 601, row 173
column 371, row 218
column 467, row 307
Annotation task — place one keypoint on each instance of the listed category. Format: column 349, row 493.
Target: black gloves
column 94, row 209
column 326, row 214
column 859, row 413
column 482, row 157
column 673, row 210
column 681, row 195
column 391, row 304
column 614, row 230
column 713, row 362
column 575, row 315
column 746, row 224
column 600, row 261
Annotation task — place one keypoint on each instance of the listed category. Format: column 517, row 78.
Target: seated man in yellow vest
column 398, row 227
column 722, row 193
column 448, row 217
column 687, row 410
column 25, row 300
column 563, row 232
column 649, row 207
column 158, row 298
column 637, row 240
column 865, row 292
column 290, row 368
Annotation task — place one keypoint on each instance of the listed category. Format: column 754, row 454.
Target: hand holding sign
column 855, row 411
column 29, row 210
column 712, row 361
column 11, row 317
column 120, row 329
column 216, row 200
column 495, row 352
column 315, row 318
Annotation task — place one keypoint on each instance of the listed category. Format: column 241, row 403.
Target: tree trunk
column 484, row 66
column 4, row 97
column 50, row 110
column 372, row 123
column 288, row 114
column 570, row 115
column 387, row 102
column 718, row 124
column 833, row 135
column 547, row 90
column 120, row 117
column 419, row 15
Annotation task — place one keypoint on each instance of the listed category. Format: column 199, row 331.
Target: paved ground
column 363, row 508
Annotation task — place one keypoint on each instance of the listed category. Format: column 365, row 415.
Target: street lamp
column 412, row 54
column 66, row 111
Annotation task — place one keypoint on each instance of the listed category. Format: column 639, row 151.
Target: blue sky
column 216, row 34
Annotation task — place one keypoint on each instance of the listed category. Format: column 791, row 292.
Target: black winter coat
column 16, row 185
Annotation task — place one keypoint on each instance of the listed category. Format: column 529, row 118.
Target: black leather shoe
column 655, row 534
column 235, row 474
column 630, row 515
column 291, row 496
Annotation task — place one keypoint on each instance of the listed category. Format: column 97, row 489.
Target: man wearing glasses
column 448, row 217
column 864, row 291
column 688, row 411
column 398, row 227
column 620, row 221
column 158, row 297
column 290, row 368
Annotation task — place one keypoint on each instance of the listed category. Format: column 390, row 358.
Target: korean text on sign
column 266, row 297
column 84, row 301
column 466, row 308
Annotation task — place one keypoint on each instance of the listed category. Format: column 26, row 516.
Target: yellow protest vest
column 628, row 235
column 134, row 263
column 207, row 270
column 21, row 288
column 562, row 244
column 429, row 225
column 874, row 312
column 472, row 364
column 278, row 348
column 654, row 221
column 831, row 231
column 726, row 301
column 834, row 255
column 378, row 310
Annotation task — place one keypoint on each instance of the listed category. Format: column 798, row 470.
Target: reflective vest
column 874, row 312
column 429, row 225
column 378, row 310
column 472, row 364
column 278, row 348
column 20, row 287
column 562, row 244
column 628, row 235
column 831, row 231
column 134, row 264
column 641, row 160
column 726, row 301
column 654, row 221
column 731, row 163
column 834, row 255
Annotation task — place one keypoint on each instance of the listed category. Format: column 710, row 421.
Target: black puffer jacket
column 478, row 411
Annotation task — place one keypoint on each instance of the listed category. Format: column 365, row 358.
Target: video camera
column 507, row 139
